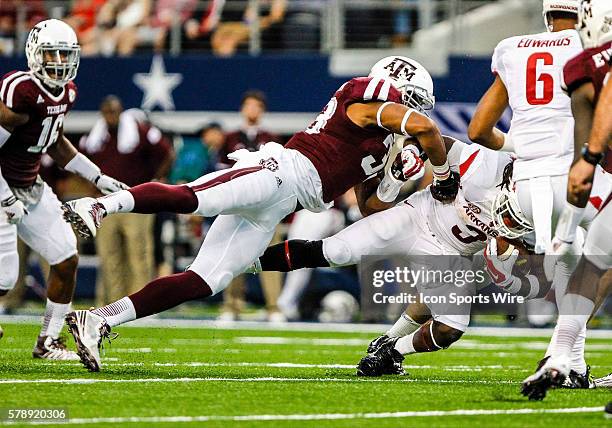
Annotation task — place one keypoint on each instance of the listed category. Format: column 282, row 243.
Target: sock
column 54, row 319
column 118, row 312
column 151, row 198
column 574, row 313
column 404, row 344
column 403, row 326
column 293, row 254
column 119, row 202
column 553, row 340
column 169, row 291
column 578, row 363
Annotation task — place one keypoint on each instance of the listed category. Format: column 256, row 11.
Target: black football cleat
column 576, row 380
column 386, row 360
column 549, row 375
column 375, row 344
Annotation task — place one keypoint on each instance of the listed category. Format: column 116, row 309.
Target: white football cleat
column 88, row 330
column 48, row 348
column 550, row 375
column 603, row 382
column 85, row 215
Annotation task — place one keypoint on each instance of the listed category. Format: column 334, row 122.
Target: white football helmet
column 508, row 219
column 595, row 22
column 53, row 52
column 410, row 78
column 570, row 6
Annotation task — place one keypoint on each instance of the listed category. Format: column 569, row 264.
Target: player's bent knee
column 445, row 335
column 337, row 252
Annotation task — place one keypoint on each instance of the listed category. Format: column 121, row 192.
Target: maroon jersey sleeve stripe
column 7, row 81
column 224, row 178
column 10, row 92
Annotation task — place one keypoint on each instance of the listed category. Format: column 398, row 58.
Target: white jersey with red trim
column 466, row 225
column 542, row 127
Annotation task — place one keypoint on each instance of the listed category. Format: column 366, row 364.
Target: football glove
column 445, row 190
column 499, row 270
column 408, row 165
column 14, row 209
column 108, row 185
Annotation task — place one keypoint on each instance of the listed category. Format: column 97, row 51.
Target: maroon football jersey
column 24, row 93
column 343, row 153
column 592, row 65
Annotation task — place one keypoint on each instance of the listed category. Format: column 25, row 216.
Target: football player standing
column 528, row 72
column 33, row 105
column 585, row 78
column 347, row 143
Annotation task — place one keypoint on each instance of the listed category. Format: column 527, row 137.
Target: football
column 505, row 247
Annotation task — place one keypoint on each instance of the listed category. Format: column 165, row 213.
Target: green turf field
column 167, row 377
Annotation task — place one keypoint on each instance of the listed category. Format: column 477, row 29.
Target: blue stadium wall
column 293, row 83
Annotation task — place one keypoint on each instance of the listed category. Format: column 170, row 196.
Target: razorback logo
column 400, row 69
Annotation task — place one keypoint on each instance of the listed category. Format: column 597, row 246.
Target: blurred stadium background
column 187, row 65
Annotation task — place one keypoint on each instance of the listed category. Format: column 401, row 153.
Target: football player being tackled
column 347, row 143
column 585, row 80
column 33, row 105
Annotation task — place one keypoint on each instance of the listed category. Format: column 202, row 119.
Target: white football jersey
column 542, row 127
column 466, row 225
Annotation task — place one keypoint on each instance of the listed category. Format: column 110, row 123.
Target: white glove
column 408, row 165
column 499, row 270
column 108, row 185
column 239, row 154
column 14, row 209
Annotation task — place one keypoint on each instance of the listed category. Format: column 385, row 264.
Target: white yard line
column 289, row 365
column 87, row 381
column 305, row 326
column 315, row 416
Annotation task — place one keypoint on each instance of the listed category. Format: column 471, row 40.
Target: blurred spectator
column 229, row 35
column 198, row 156
column 119, row 22
column 82, row 19
column 124, row 145
column 251, row 136
column 203, row 28
column 403, row 25
column 32, row 11
column 166, row 14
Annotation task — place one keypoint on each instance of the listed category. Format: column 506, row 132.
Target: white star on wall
column 157, row 85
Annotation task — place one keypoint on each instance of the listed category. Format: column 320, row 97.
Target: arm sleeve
column 497, row 62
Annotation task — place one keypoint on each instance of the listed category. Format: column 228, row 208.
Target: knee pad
column 9, row 270
column 336, row 251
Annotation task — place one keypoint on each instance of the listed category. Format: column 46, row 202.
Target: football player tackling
column 347, row 143
column 33, row 105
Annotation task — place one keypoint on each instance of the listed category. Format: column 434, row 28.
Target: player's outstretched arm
column 490, row 109
column 69, row 158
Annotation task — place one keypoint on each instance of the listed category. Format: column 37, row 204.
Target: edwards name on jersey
column 23, row 93
column 542, row 124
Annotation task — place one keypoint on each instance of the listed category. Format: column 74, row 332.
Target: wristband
column 592, row 158
column 508, row 143
column 441, row 172
column 4, row 136
column 82, row 166
column 388, row 188
column 568, row 222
